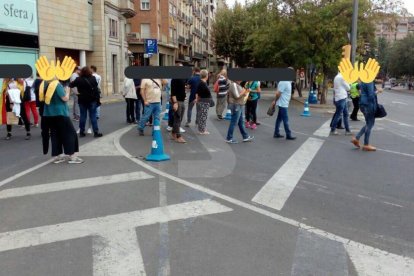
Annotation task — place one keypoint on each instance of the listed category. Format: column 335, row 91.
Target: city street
column 313, row 206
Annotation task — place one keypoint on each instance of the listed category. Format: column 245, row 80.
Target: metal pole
column 354, row 31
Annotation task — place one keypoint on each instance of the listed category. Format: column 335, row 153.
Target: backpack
column 216, row 87
column 27, row 95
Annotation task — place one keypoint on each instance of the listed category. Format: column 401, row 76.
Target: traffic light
column 346, row 51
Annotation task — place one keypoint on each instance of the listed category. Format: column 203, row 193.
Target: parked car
column 387, row 85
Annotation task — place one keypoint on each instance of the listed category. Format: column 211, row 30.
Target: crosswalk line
column 277, row 190
column 73, row 184
column 324, row 130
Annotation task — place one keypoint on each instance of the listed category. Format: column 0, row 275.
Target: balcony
column 181, row 39
column 127, row 8
column 188, row 41
column 205, row 53
column 198, row 55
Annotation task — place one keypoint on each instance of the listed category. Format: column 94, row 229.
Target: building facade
column 393, row 30
column 19, row 32
column 93, row 35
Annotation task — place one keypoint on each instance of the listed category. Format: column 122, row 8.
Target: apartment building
column 156, row 19
column 393, row 30
column 92, row 32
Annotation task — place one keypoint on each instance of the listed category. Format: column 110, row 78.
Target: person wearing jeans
column 151, row 94
column 88, row 100
column 368, row 105
column 283, row 95
column 237, row 100
column 341, row 89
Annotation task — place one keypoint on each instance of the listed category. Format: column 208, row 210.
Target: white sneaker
column 60, row 159
column 182, row 130
column 89, row 131
column 169, row 129
column 75, row 160
column 78, row 131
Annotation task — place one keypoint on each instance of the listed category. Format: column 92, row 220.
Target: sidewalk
column 113, row 98
column 270, row 92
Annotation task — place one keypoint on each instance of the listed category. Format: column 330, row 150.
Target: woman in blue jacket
column 368, row 106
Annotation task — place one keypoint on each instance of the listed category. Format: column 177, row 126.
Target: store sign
column 18, row 16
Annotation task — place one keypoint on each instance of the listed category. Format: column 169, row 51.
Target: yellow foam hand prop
column 65, row 70
column 46, row 71
column 349, row 73
column 370, row 71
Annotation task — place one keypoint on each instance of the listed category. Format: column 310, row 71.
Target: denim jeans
column 369, row 114
column 86, row 108
column 138, row 104
column 236, row 118
column 341, row 109
column 190, row 111
column 282, row 115
column 153, row 109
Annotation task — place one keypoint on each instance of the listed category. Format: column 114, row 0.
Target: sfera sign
column 18, row 16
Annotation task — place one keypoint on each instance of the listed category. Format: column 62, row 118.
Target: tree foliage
column 401, row 60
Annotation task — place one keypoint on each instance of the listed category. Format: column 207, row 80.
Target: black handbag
column 380, row 111
column 212, row 103
column 271, row 110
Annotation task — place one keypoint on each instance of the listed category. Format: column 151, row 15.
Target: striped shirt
column 223, row 86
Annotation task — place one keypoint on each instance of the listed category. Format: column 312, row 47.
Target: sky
column 409, row 4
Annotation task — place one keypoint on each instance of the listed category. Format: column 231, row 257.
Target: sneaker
column 75, row 160
column 182, row 130
column 36, row 125
column 348, row 133
column 253, row 126
column 8, row 137
column 28, row 136
column 278, row 136
column 340, row 127
column 169, row 129
column 355, row 141
column 97, row 134
column 219, row 117
column 291, row 138
column 369, row 148
column 204, row 133
column 78, row 131
column 141, row 132
column 231, row 141
column 187, row 124
column 334, row 133
column 76, row 119
column 257, row 123
column 89, row 131
column 59, row 159
column 82, row 134
column 247, row 125
column 248, row 139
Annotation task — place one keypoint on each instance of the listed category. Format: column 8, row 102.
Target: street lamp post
column 354, row 31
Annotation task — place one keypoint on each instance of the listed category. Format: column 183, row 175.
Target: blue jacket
column 368, row 95
column 194, row 81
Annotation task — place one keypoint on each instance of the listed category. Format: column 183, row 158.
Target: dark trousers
column 138, row 104
column 178, row 116
column 23, row 116
column 282, row 116
column 354, row 114
column 130, row 110
column 63, row 135
column 251, row 107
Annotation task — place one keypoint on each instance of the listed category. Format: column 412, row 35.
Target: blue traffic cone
column 306, row 111
column 167, row 110
column 157, row 148
column 228, row 115
column 313, row 99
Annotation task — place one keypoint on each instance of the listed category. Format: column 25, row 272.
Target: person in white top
column 30, row 104
column 341, row 89
column 128, row 92
column 98, row 80
column 74, row 93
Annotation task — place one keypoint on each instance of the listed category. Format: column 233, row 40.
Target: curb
column 318, row 106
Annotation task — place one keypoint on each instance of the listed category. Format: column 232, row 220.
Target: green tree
column 401, row 60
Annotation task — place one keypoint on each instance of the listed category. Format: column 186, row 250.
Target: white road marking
column 396, row 102
column 164, row 268
column 397, row 122
column 388, row 260
column 277, row 190
column 96, row 226
column 117, row 253
column 23, row 173
column 100, row 147
column 393, row 204
column 73, row 184
column 324, row 130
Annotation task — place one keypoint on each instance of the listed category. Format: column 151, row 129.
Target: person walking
column 151, row 94
column 203, row 101
column 128, row 92
column 192, row 83
column 11, row 98
column 178, row 107
column 74, row 94
column 223, row 87
column 88, row 97
column 251, row 105
column 283, row 96
column 368, row 105
column 140, row 102
column 355, row 101
column 30, row 101
column 237, row 98
column 341, row 89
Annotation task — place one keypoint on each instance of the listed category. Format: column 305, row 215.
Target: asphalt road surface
column 313, row 206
